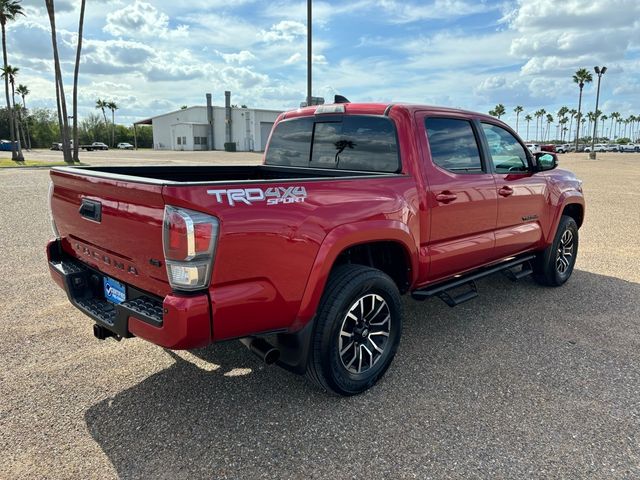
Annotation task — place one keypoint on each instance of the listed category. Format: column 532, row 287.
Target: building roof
column 149, row 121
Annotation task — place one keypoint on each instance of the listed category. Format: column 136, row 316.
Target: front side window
column 507, row 154
column 453, row 145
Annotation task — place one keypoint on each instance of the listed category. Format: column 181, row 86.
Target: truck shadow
column 509, row 375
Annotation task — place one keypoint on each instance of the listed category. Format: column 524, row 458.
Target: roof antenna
column 340, row 99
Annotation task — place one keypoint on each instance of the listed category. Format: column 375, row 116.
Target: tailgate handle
column 90, row 209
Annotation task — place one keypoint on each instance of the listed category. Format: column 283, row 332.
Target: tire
column 360, row 308
column 554, row 265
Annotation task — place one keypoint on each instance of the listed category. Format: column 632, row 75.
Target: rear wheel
column 357, row 330
column 555, row 264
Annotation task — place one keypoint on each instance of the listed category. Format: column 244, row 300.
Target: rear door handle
column 505, row 191
column 446, row 197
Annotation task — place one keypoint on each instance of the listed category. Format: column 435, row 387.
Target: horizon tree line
column 565, row 115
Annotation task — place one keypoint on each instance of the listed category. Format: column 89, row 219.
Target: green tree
column 11, row 73
column 581, row 77
column 549, row 122
column 9, row 10
column 518, row 111
column 572, row 114
column 499, row 110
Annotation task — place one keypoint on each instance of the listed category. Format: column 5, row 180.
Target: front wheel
column 554, row 265
column 357, row 330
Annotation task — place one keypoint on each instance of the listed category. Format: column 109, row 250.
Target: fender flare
column 341, row 238
column 567, row 198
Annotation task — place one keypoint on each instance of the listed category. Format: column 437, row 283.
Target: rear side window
column 453, row 145
column 346, row 143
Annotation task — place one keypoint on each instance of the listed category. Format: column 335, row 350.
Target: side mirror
column 545, row 161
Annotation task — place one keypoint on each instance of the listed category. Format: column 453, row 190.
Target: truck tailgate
column 119, row 229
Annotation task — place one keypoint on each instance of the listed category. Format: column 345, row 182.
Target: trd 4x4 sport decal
column 249, row 196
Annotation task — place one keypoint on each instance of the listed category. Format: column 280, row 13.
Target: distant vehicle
column 548, row 148
column 125, row 146
column 611, row 147
column 56, row 146
column 5, row 145
column 581, row 148
column 533, row 147
column 598, row 147
column 95, row 146
column 564, row 148
column 629, row 147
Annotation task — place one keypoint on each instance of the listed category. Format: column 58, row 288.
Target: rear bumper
column 177, row 322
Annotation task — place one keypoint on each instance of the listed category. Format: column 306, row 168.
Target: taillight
column 54, row 227
column 189, row 240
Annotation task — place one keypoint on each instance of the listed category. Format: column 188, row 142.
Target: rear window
column 350, row 142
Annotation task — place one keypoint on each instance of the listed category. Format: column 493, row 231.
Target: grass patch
column 7, row 162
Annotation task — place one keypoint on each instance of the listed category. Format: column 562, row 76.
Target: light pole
column 309, row 52
column 600, row 72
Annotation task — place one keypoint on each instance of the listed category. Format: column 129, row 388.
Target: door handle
column 446, row 197
column 505, row 191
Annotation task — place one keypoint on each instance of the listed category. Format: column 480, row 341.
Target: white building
column 188, row 129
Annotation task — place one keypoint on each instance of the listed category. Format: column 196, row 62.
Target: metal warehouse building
column 197, row 128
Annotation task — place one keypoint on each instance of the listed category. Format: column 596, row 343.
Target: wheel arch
column 384, row 244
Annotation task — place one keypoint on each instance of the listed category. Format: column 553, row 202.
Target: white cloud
column 240, row 57
column 141, row 19
column 286, row 30
column 295, row 58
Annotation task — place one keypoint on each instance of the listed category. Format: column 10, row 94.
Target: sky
column 152, row 57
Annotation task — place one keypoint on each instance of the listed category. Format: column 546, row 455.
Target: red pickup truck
column 305, row 257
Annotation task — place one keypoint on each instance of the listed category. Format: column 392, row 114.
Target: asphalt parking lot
column 523, row 382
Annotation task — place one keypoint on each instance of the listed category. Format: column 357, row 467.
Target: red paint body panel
column 272, row 261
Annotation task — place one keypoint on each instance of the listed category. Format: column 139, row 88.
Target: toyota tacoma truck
column 305, row 257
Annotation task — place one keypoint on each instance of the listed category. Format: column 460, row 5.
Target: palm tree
column 518, row 111
column 549, row 122
column 539, row 114
column 603, row 118
column 499, row 110
column 113, row 107
column 9, row 10
column 102, row 105
column 528, row 119
column 9, row 73
column 23, row 91
column 581, row 77
column 63, row 118
column 562, row 122
column 572, row 113
column 590, row 117
column 492, row 112
column 76, row 71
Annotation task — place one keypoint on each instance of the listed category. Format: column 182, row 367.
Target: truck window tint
column 453, row 145
column 352, row 143
column 290, row 144
column 507, row 154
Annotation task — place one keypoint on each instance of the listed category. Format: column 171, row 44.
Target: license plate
column 114, row 291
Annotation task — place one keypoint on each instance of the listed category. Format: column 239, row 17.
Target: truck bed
column 207, row 174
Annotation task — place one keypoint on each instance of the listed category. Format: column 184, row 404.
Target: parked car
column 548, row 148
column 5, row 145
column 563, row 148
column 95, row 146
column 598, row 147
column 581, row 148
column 125, row 146
column 56, row 146
column 533, row 147
column 305, row 257
column 612, row 148
column 629, row 147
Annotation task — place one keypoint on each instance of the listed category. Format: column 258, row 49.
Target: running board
column 444, row 290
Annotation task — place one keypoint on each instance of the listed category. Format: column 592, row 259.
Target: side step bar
column 444, row 290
